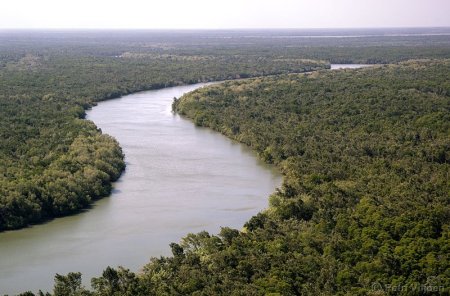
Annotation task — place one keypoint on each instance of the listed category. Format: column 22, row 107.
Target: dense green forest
column 364, row 206
column 365, row 200
column 54, row 163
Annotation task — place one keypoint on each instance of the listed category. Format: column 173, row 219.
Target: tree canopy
column 364, row 205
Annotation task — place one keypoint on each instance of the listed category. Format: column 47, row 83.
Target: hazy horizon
column 220, row 15
column 219, row 29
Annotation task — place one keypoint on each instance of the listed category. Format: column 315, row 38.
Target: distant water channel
column 348, row 66
column 179, row 179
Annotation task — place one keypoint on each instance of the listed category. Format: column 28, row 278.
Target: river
column 179, row 179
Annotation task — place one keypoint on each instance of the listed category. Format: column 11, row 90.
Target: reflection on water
column 348, row 66
column 179, row 179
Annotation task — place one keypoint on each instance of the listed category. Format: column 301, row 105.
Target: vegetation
column 364, row 206
column 54, row 163
column 365, row 199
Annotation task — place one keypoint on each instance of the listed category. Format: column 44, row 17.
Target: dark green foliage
column 69, row 285
column 54, row 163
column 48, row 79
column 365, row 154
column 117, row 282
column 364, row 207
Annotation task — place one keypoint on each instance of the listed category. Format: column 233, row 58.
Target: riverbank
column 124, row 219
column 363, row 198
column 46, row 167
column 179, row 179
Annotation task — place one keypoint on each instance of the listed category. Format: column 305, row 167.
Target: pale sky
column 223, row 14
